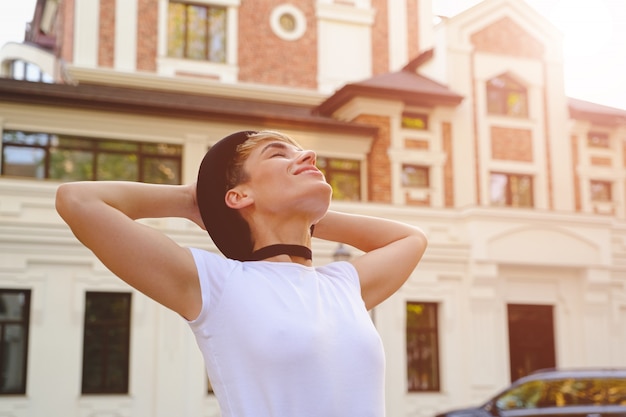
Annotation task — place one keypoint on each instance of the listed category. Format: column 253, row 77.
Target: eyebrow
column 279, row 145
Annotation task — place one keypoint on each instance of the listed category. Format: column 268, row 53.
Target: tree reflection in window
column 564, row 392
column 69, row 158
column 196, row 32
column 422, row 347
column 506, row 97
column 343, row 175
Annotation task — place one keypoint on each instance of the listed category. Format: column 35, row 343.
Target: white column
column 126, row 35
column 86, row 18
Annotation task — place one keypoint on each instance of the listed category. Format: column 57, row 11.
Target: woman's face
column 282, row 178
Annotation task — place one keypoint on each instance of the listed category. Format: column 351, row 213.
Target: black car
column 577, row 392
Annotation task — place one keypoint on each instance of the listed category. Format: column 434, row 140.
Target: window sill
column 176, row 67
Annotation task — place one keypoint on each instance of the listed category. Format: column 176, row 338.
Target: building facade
column 461, row 127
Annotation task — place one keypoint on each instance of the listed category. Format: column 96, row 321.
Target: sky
column 594, row 40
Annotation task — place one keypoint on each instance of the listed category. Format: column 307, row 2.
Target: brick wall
column 448, row 168
column 65, row 37
column 412, row 28
column 147, row 31
column 380, row 38
column 575, row 162
column 505, row 37
column 266, row 58
column 511, row 144
column 379, row 165
column 106, row 34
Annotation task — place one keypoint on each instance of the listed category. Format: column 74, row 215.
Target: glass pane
column 161, row 149
column 117, row 167
column 524, row 396
column 600, row 191
column 414, row 176
column 345, row 186
column 23, row 138
column 24, row 162
column 415, row 121
column 13, row 358
column 516, row 104
column 422, row 347
column 176, row 30
column 106, row 343
column 70, row 142
column 161, row 171
column 521, row 191
column 344, row 164
column 115, row 145
column 12, row 306
column 71, row 165
column 498, row 188
column 94, row 346
column 217, row 34
column 196, row 32
column 616, row 392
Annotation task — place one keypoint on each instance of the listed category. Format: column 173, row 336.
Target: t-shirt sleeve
column 213, row 270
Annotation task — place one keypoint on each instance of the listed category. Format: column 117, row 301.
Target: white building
column 462, row 128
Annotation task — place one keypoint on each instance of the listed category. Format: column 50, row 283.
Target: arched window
column 27, row 71
column 506, row 97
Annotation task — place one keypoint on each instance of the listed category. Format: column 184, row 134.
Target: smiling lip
column 307, row 169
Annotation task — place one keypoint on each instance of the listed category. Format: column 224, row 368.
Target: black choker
column 281, row 249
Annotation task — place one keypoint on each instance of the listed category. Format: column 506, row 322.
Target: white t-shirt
column 286, row 340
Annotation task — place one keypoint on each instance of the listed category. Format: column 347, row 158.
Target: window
column 106, row 343
column 601, row 191
column 14, row 322
column 23, row 70
column 506, row 97
column 196, row 32
column 415, row 176
column 343, row 175
column 565, row 392
column 598, row 139
column 422, row 347
column 511, row 190
column 43, row 156
column 417, row 121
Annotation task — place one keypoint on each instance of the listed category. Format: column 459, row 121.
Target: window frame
column 97, row 147
column 607, row 186
column 123, row 325
column 498, row 97
column 207, row 37
column 329, row 172
column 417, row 333
column 509, row 195
column 425, row 169
column 24, row 322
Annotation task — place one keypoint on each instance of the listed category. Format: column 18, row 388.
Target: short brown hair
column 236, row 174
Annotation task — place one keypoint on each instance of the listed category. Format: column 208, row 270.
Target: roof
column 596, row 113
column 174, row 104
column 405, row 85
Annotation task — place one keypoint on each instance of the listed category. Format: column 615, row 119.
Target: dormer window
column 506, row 97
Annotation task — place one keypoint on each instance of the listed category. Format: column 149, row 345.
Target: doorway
column 531, row 338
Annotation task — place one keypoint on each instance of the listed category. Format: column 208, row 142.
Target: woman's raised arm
column 392, row 250
column 102, row 216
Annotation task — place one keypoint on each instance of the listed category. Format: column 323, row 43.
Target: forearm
column 135, row 200
column 363, row 232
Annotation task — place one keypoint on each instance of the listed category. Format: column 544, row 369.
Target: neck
column 281, row 249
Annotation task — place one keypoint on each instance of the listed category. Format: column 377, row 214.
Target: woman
column 279, row 337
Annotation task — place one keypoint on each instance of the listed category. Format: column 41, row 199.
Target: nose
column 308, row 156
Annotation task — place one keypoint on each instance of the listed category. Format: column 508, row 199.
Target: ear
column 237, row 198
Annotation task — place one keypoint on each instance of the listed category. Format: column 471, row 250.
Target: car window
column 564, row 392
column 616, row 391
